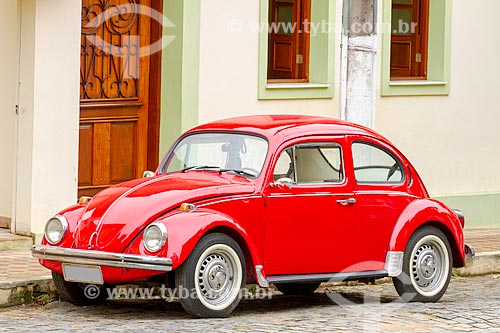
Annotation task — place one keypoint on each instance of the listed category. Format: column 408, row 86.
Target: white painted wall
column 454, row 141
column 49, row 111
column 229, row 66
column 8, row 94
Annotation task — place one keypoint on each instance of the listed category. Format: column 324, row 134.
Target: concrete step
column 9, row 242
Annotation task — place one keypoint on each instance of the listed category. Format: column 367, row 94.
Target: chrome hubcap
column 215, row 278
column 427, row 265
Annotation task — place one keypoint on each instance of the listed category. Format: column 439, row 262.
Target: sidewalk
column 22, row 277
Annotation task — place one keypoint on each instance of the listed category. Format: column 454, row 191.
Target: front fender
column 72, row 215
column 185, row 229
column 429, row 212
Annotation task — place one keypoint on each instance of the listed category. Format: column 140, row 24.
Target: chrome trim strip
column 394, row 263
column 101, row 258
column 311, row 195
column 330, row 277
column 228, row 200
column 391, row 193
column 260, row 277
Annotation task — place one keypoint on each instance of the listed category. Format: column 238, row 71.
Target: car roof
column 287, row 125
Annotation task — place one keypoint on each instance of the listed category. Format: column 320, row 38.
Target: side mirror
column 148, row 174
column 282, row 182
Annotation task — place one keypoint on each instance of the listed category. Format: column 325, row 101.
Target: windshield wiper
column 239, row 172
column 218, row 169
column 199, row 167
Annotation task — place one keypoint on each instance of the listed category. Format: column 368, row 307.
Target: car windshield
column 221, row 152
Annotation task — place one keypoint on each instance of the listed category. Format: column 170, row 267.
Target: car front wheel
column 79, row 293
column 209, row 282
column 427, row 265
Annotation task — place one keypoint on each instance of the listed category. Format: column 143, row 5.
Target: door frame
column 154, row 112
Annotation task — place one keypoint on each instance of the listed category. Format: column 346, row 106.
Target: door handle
column 345, row 202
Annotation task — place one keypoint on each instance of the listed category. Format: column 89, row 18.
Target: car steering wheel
column 392, row 170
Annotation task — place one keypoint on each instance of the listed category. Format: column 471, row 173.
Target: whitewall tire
column 427, row 266
column 214, row 275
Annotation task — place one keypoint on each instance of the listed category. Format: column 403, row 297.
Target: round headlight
column 55, row 229
column 155, row 237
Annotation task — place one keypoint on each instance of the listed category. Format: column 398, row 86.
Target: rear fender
column 429, row 212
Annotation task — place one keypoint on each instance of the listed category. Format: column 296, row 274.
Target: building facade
column 421, row 72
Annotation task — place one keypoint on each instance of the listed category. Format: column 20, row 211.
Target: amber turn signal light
column 187, row 207
column 84, row 200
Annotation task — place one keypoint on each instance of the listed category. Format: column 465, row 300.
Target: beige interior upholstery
column 313, row 167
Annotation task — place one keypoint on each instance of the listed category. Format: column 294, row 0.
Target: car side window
column 284, row 166
column 318, row 163
column 372, row 164
column 310, row 163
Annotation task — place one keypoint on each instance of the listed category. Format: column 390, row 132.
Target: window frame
column 301, row 40
column 388, row 152
column 439, row 54
column 321, row 58
column 313, row 144
column 422, row 42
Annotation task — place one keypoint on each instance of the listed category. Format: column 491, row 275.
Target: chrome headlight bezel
column 160, row 241
column 63, row 223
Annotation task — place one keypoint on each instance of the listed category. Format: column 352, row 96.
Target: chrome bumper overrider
column 470, row 253
column 100, row 258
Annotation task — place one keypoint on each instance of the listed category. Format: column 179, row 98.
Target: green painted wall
column 180, row 71
column 480, row 210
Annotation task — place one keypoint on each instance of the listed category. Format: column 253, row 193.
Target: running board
column 327, row 277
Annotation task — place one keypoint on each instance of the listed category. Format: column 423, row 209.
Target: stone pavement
column 21, row 277
column 471, row 304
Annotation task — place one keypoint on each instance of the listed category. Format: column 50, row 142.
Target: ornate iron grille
column 110, row 46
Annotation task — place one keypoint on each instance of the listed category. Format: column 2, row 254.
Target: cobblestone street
column 471, row 304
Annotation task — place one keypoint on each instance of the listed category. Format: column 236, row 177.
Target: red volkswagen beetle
column 286, row 200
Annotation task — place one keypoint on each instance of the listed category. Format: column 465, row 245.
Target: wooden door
column 288, row 39
column 409, row 39
column 119, row 93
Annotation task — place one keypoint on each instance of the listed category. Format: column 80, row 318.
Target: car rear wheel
column 79, row 293
column 301, row 289
column 209, row 282
column 427, row 265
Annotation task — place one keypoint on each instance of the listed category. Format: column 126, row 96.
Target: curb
column 25, row 292
column 483, row 263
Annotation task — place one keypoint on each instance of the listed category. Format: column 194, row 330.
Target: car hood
column 116, row 215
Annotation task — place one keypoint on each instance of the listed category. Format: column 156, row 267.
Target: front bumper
column 101, row 258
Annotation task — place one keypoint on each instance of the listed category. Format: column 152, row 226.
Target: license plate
column 83, row 274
